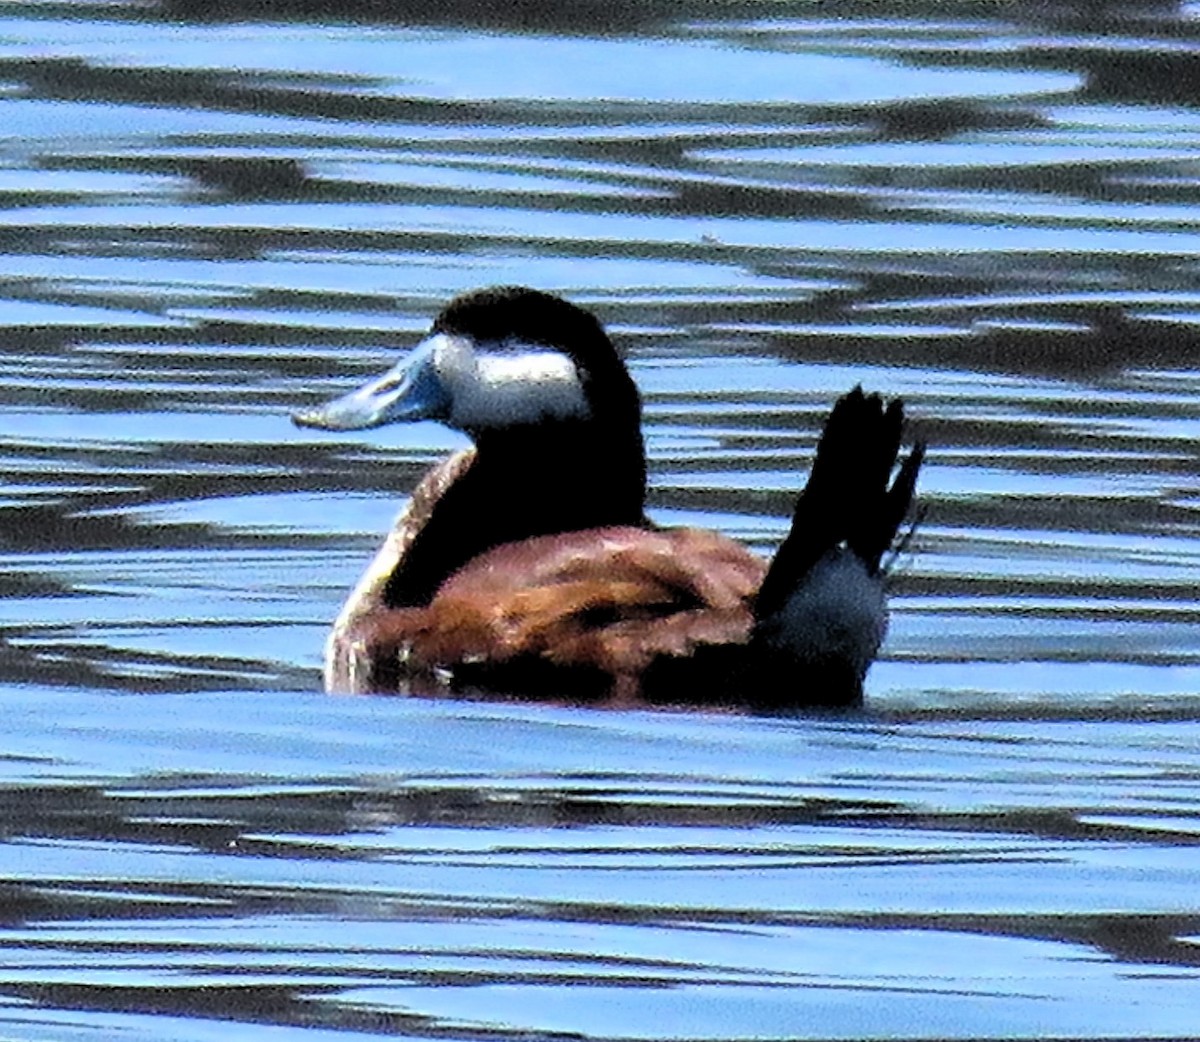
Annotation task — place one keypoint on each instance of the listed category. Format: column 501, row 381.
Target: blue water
column 205, row 225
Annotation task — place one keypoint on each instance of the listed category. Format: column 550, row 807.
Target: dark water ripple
column 212, row 214
column 862, row 874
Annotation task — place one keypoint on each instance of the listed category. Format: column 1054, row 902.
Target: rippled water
column 989, row 209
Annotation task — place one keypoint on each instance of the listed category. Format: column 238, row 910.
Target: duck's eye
column 510, row 383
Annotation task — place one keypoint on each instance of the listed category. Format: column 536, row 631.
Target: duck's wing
column 609, row 600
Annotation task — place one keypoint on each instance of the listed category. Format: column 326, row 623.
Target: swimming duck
column 526, row 563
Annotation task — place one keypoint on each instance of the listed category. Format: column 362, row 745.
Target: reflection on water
column 623, row 876
column 210, row 216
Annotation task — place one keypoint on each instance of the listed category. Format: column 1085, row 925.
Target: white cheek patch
column 524, row 383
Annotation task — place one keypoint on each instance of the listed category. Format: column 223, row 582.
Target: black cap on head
column 518, row 314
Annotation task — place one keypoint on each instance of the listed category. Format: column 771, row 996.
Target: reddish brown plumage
column 526, row 565
column 612, row 600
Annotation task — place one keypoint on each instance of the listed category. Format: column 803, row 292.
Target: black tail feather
column 900, row 497
column 847, row 499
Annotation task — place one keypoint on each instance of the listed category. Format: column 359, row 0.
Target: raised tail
column 821, row 613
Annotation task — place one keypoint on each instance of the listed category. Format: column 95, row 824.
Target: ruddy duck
column 526, row 564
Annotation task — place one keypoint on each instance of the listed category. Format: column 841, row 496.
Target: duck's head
column 497, row 359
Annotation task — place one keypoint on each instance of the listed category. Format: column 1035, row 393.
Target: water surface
column 209, row 219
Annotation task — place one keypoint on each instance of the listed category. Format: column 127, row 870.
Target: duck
column 525, row 565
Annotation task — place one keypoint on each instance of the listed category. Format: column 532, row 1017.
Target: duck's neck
column 523, row 482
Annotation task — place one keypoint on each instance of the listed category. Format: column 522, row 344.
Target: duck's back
column 528, row 560
column 590, row 610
